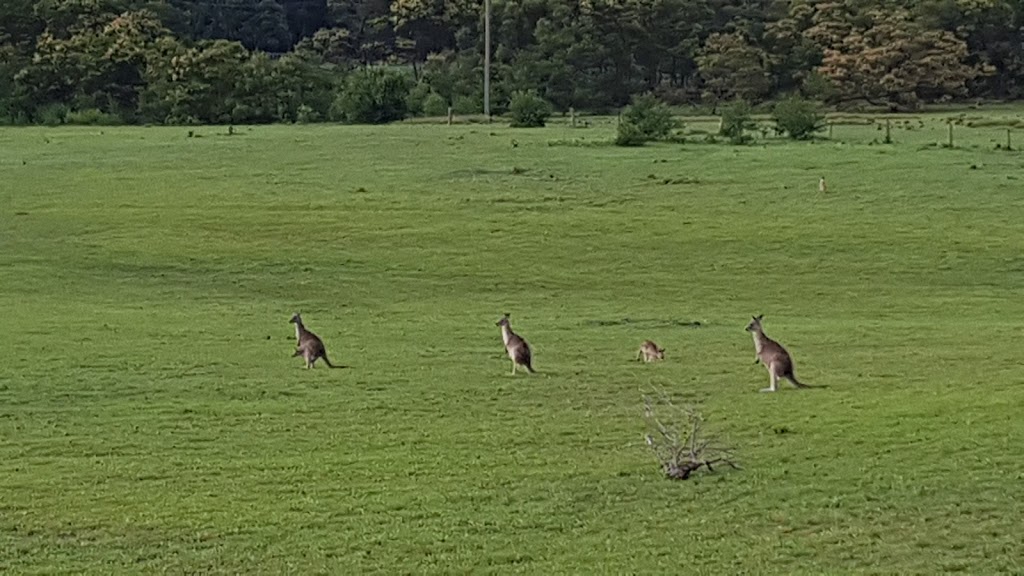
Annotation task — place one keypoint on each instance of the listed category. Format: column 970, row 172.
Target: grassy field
column 152, row 420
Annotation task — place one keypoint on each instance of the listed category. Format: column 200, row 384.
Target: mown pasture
column 152, row 419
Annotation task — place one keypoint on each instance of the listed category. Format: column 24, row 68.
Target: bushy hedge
column 528, row 110
column 798, row 118
column 372, row 96
column 644, row 120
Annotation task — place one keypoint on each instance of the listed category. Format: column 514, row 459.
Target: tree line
column 211, row 61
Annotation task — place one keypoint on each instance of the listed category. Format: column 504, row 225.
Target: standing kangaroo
column 649, row 351
column 773, row 356
column 517, row 348
column 310, row 346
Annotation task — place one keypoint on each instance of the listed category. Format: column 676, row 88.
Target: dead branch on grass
column 681, row 454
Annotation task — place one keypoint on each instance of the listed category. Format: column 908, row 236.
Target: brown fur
column 310, row 346
column 649, row 352
column 773, row 356
column 517, row 348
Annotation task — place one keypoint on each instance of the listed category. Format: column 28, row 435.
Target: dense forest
column 199, row 61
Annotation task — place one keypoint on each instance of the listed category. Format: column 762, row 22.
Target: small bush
column 13, row 119
column 92, row 117
column 245, row 114
column 466, row 105
column 416, row 98
column 736, row 120
column 528, row 110
column 798, row 118
column 52, row 114
column 372, row 96
column 305, row 114
column 644, row 120
column 435, row 105
column 630, row 135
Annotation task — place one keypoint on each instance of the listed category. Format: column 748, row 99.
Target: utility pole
column 487, row 59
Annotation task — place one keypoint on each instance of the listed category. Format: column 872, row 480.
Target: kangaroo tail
column 797, row 383
column 328, row 362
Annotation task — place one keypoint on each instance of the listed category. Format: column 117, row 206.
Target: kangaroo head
column 661, row 353
column 296, row 319
column 755, row 324
column 503, row 321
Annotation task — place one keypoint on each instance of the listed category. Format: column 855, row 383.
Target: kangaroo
column 822, row 187
column 310, row 346
column 773, row 356
column 649, row 351
column 517, row 348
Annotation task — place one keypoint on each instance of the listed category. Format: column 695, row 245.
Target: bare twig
column 681, row 457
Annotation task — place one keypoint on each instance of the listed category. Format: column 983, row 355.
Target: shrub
column 798, row 118
column 417, row 97
column 52, row 114
column 245, row 114
column 13, row 118
column 372, row 96
column 629, row 135
column 466, row 105
column 528, row 110
column 736, row 120
column 435, row 105
column 15, row 106
column 92, row 117
column 644, row 120
column 306, row 114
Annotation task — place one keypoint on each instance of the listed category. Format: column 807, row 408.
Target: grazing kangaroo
column 649, row 351
column 773, row 356
column 310, row 346
column 517, row 348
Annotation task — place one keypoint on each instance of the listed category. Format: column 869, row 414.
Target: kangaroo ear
column 760, row 317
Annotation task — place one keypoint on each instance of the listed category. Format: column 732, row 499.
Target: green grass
column 151, row 418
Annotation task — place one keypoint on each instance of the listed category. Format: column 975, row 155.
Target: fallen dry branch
column 681, row 454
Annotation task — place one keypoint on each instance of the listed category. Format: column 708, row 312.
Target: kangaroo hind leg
column 773, row 380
